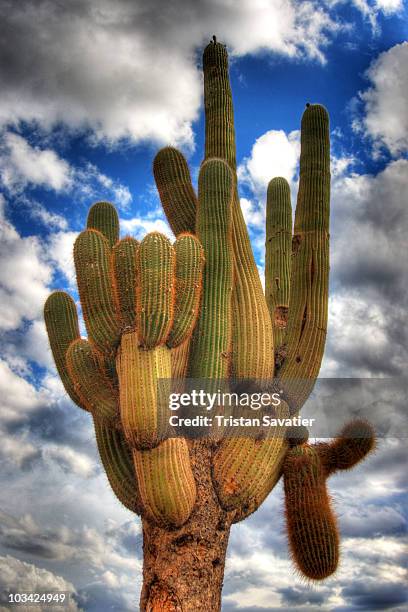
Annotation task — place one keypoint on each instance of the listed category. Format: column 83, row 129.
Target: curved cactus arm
column 252, row 344
column 94, row 271
column 117, row 460
column 139, row 371
column 124, row 267
column 350, row 446
column 166, row 482
column 61, row 321
column 278, row 258
column 311, row 524
column 309, row 287
column 91, row 382
column 103, row 217
column 210, row 350
column 177, row 194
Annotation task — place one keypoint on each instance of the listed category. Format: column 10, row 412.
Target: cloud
column 61, row 253
column 367, row 310
column 296, row 596
column 372, row 9
column 372, row 521
column 38, row 212
column 386, row 117
column 19, row 452
column 122, row 72
column 89, row 183
column 71, row 461
column 24, row 276
column 139, row 226
column 372, row 595
column 21, row 577
column 22, row 164
column 19, row 397
column 275, row 153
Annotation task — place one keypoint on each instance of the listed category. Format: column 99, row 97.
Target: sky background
column 90, row 90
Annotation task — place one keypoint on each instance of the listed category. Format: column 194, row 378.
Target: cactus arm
column 210, row 350
column 176, row 192
column 94, row 271
column 188, row 280
column 166, row 482
column 102, row 216
column 61, row 321
column 277, row 258
column 117, row 461
column 355, row 441
column 124, row 266
column 139, row 371
column 307, row 321
column 155, row 268
column 246, row 469
column 252, row 344
column 90, row 381
column 311, row 524
column 308, row 277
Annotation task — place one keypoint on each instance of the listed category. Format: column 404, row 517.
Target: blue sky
column 90, row 91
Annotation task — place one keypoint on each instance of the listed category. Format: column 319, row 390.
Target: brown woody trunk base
column 183, row 569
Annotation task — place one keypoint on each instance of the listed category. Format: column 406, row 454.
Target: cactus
column 196, row 309
column 311, row 524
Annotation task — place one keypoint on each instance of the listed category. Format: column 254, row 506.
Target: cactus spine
column 196, row 308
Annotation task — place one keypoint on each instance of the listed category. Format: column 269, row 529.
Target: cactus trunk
column 183, row 569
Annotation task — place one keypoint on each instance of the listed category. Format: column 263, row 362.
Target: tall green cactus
column 196, row 308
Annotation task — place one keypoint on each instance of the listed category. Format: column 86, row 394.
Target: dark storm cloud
column 229, row 606
column 22, row 536
column 375, row 595
column 61, row 422
column 373, row 522
column 235, row 579
column 264, row 529
column 97, row 597
column 390, row 461
column 296, row 596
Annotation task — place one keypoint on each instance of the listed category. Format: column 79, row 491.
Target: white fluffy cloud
column 24, row 276
column 139, row 226
column 275, row 153
column 26, row 577
column 22, row 164
column 127, row 69
column 386, row 119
